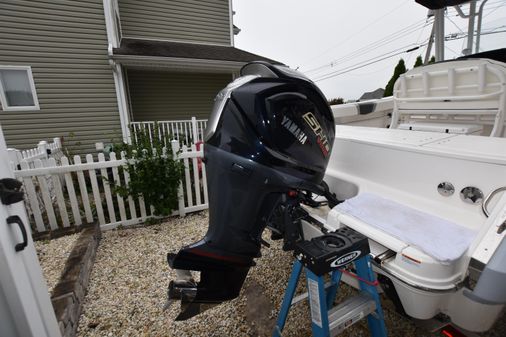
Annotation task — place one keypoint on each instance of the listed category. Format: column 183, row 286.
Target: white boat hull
column 407, row 166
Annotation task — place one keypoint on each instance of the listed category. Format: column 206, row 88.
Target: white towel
column 443, row 240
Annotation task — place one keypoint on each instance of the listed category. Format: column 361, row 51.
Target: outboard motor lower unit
column 268, row 142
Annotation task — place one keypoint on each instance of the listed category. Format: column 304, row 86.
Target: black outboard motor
column 268, row 141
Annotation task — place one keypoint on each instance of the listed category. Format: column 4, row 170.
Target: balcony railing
column 188, row 131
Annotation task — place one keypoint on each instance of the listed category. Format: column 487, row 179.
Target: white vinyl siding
column 65, row 44
column 17, row 90
column 205, row 21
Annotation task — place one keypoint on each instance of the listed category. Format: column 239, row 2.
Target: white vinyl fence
column 43, row 151
column 59, row 196
column 189, row 131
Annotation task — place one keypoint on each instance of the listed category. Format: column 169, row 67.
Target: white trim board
column 182, row 64
column 110, row 7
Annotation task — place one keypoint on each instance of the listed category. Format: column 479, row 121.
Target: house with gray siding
column 84, row 70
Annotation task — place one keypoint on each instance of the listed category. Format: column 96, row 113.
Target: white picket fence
column 59, row 196
column 43, row 151
column 189, row 131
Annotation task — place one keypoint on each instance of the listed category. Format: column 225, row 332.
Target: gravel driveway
column 130, row 277
column 52, row 256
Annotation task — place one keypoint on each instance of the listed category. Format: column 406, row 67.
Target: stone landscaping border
column 68, row 294
column 59, row 232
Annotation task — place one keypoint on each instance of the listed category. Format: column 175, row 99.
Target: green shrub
column 154, row 173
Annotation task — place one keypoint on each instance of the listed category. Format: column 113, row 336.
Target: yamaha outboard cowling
column 269, row 138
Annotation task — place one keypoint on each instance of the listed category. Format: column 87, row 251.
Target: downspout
column 232, row 36
column 119, row 83
column 231, row 22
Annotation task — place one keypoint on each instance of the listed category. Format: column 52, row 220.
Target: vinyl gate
column 25, row 306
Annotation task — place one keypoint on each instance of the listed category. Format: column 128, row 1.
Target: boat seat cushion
column 441, row 239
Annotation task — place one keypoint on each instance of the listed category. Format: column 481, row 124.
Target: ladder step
column 305, row 295
column 349, row 312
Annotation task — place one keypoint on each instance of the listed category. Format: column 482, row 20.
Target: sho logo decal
column 294, row 130
column 345, row 259
column 321, row 138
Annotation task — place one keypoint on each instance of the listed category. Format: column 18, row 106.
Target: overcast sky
column 312, row 35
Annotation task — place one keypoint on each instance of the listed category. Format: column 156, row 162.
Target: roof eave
column 179, row 64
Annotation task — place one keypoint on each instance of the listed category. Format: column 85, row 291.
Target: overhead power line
column 391, row 37
column 452, row 36
column 369, row 62
column 492, row 10
column 489, row 9
column 374, row 45
column 458, row 36
column 387, row 39
column 397, row 7
column 380, row 43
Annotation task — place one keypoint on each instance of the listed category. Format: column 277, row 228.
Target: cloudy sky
column 329, row 37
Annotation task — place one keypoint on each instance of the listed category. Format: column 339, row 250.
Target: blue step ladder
column 327, row 320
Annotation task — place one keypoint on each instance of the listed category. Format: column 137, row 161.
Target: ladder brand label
column 345, row 259
column 321, row 138
column 314, row 299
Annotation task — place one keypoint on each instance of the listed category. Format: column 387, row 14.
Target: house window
column 17, row 89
